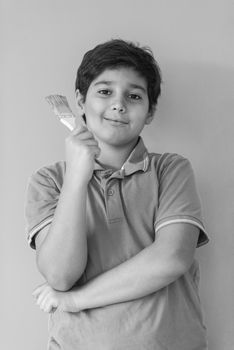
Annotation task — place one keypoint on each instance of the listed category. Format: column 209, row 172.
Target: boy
column 115, row 227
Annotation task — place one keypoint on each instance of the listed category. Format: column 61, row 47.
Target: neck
column 114, row 157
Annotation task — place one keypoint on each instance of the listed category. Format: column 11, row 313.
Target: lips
column 116, row 121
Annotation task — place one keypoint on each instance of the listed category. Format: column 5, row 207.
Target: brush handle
column 68, row 122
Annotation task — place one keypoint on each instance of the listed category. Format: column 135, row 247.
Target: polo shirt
column 125, row 210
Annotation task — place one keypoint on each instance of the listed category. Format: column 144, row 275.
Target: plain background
column 42, row 44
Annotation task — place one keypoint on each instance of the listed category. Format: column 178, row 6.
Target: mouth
column 116, row 121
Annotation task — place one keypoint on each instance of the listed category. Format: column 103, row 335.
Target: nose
column 118, row 106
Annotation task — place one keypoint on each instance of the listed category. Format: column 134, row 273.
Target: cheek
column 96, row 107
column 140, row 113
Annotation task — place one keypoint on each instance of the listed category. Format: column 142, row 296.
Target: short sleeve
column 41, row 199
column 178, row 200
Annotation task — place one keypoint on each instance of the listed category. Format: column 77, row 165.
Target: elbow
column 169, row 270
column 177, row 268
column 61, row 284
column 57, row 279
column 179, row 261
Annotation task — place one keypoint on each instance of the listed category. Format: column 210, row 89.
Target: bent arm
column 62, row 246
column 156, row 266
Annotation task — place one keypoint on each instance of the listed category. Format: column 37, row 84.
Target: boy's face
column 116, row 106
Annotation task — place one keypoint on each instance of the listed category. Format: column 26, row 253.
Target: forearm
column 145, row 273
column 155, row 267
column 63, row 254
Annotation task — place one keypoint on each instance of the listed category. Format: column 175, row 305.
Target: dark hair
column 119, row 53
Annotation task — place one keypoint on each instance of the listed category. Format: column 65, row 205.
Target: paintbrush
column 63, row 111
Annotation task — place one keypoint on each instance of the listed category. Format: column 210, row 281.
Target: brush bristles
column 60, row 106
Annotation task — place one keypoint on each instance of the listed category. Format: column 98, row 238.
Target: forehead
column 124, row 76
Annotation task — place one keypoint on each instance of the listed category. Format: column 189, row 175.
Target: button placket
column 110, row 192
column 113, row 201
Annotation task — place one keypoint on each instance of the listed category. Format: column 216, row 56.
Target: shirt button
column 107, row 174
column 110, row 192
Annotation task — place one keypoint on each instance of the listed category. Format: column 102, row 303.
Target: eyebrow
column 108, row 82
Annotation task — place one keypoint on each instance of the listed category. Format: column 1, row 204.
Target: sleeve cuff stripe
column 38, row 228
column 193, row 222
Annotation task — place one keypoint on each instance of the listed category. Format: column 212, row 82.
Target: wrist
column 75, row 182
column 79, row 300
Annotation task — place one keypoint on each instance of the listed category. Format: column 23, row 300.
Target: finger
column 93, row 149
column 49, row 303
column 45, row 308
column 46, row 303
column 79, row 121
column 39, row 289
column 86, row 135
column 91, row 142
column 96, row 151
column 42, row 296
column 78, row 129
column 42, row 304
column 48, row 309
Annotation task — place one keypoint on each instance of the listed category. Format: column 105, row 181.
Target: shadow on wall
column 195, row 118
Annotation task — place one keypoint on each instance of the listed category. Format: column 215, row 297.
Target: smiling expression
column 116, row 106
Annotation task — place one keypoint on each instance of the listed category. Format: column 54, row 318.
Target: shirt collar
column 138, row 160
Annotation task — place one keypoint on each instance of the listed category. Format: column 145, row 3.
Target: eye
column 135, row 97
column 104, row 92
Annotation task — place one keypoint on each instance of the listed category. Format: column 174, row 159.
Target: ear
column 149, row 118
column 79, row 101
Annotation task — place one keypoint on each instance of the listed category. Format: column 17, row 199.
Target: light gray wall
column 42, row 44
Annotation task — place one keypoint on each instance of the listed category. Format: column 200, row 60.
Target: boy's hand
column 81, row 149
column 49, row 299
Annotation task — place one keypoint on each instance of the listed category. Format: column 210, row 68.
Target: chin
column 120, row 142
